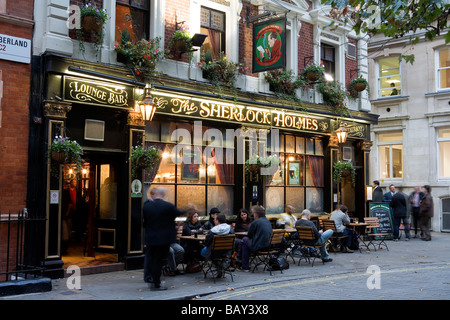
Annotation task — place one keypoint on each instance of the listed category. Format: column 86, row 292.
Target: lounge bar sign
column 222, row 111
column 97, row 93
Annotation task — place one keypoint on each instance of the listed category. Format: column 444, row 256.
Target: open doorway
column 91, row 202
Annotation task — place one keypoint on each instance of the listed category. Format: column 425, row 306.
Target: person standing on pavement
column 399, row 213
column 388, row 195
column 426, row 213
column 415, row 197
column 321, row 236
column 258, row 236
column 377, row 194
column 160, row 232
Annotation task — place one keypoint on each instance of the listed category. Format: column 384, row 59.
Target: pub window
column 389, row 77
column 390, row 155
column 444, row 152
column 443, row 68
column 328, row 60
column 212, row 23
column 205, row 180
column 299, row 179
column 133, row 16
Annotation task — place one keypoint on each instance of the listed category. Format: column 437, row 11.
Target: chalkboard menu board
column 383, row 212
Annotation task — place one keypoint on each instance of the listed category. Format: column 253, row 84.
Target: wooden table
column 200, row 237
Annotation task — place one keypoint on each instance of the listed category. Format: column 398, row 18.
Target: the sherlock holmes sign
column 269, row 45
column 97, row 93
column 222, row 111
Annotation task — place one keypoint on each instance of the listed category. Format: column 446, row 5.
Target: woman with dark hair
column 243, row 221
column 426, row 212
column 191, row 225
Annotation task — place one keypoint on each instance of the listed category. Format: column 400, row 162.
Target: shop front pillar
column 333, row 144
column 365, row 148
column 55, row 112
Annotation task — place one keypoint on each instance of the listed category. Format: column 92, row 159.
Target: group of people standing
column 418, row 205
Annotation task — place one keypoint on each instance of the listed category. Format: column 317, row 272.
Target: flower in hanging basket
column 181, row 42
column 255, row 162
column 357, row 85
column 144, row 158
column 312, row 73
column 284, row 82
column 64, row 150
column 92, row 21
column 343, row 169
column 142, row 57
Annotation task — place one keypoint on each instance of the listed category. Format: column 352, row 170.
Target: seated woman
column 243, row 221
column 192, row 224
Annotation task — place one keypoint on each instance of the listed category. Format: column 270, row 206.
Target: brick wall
column 177, row 11
column 14, row 123
column 305, row 45
column 351, row 65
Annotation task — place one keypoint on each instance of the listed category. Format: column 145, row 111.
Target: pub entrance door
column 100, row 203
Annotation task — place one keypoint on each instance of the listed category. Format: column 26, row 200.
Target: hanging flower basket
column 92, row 23
column 58, row 156
column 342, row 170
column 312, row 76
column 359, row 86
column 144, row 158
column 312, row 73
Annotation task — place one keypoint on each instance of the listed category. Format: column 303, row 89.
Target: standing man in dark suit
column 377, row 195
column 388, row 195
column 399, row 213
column 160, row 232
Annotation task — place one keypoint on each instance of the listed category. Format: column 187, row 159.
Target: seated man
column 176, row 253
column 258, row 236
column 287, row 218
column 221, row 228
column 341, row 219
column 321, row 236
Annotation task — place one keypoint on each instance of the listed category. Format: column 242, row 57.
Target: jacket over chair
column 263, row 256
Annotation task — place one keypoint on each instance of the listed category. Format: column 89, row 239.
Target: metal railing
column 16, row 243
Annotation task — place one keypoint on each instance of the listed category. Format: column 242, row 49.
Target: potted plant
column 255, row 162
column 144, row 158
column 284, row 82
column 343, row 169
column 142, row 57
column 313, row 73
column 335, row 96
column 92, row 21
column 357, row 85
column 222, row 71
column 181, row 42
column 65, row 151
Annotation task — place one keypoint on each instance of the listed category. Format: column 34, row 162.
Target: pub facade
column 208, row 134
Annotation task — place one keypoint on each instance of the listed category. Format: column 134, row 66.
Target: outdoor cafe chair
column 337, row 237
column 263, row 256
column 306, row 237
column 374, row 236
column 222, row 249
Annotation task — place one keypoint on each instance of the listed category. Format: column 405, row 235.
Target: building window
column 390, row 155
column 206, row 180
column 132, row 15
column 328, row 60
column 389, row 77
column 212, row 23
column 299, row 179
column 444, row 152
column 443, row 68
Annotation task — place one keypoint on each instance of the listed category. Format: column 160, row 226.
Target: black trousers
column 156, row 257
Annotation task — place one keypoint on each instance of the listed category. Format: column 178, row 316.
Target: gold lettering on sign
column 183, row 106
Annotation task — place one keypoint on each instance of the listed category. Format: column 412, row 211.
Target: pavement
column 348, row 277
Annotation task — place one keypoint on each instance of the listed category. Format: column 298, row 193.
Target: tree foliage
column 395, row 18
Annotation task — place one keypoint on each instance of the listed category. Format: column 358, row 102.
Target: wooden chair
column 219, row 264
column 373, row 235
column 263, row 256
column 306, row 237
column 337, row 237
column 321, row 218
